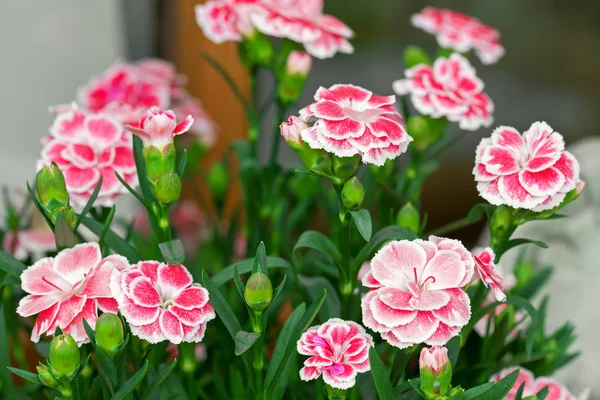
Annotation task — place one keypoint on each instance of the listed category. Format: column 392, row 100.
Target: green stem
column 450, row 227
column 280, row 111
column 347, row 281
column 188, row 367
column 258, row 361
column 12, row 325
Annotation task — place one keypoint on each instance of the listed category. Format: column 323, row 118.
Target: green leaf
column 317, row 241
column 541, row 395
column 245, row 266
column 453, row 347
column 384, row 235
column 315, row 286
column 64, row 237
column 106, row 227
column 89, row 204
column 11, row 265
column 221, row 306
column 160, row 377
column 362, row 220
column 182, row 163
column 239, row 284
column 114, row 241
column 28, row 376
column 283, row 342
column 521, row 241
column 107, row 369
column 244, row 340
column 499, row 390
column 400, row 362
column 536, row 283
column 260, row 260
column 477, row 390
column 380, row 376
column 89, row 331
column 5, row 376
column 279, row 288
column 131, row 383
column 132, row 191
column 230, row 82
column 172, row 251
column 140, row 165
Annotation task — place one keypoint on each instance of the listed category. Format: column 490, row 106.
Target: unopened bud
column 64, row 357
column 109, row 333
column 168, row 188
column 159, row 163
column 353, row 193
column 501, row 222
column 217, row 180
column 418, row 127
column 409, row 218
column 457, row 393
column 46, row 377
column 293, row 77
column 414, row 55
column 256, row 49
column 51, row 187
column 259, row 291
column 435, row 371
column 345, row 167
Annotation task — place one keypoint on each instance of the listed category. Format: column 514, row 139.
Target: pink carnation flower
column 417, row 291
column 298, row 62
column 349, row 120
column 34, row 243
column 486, row 270
column 204, row 128
column 338, row 350
column 226, row 20
column 161, row 302
column 531, row 171
column 124, row 92
column 461, row 32
column 451, row 89
column 164, row 73
column 556, row 391
column 86, row 147
column 71, row 286
column 158, row 128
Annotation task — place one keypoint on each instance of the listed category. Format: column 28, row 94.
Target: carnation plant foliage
column 190, row 300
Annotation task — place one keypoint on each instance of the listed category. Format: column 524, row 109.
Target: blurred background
column 550, row 72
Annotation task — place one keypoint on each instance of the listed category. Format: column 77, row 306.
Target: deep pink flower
column 531, row 171
column 158, row 128
column 33, row 242
column 71, row 286
column 339, row 350
column 461, row 32
column 435, row 358
column 451, row 89
column 417, row 291
column 204, row 128
column 227, row 20
column 349, row 120
column 486, row 270
column 298, row 62
column 556, row 391
column 125, row 92
column 86, row 147
column 164, row 73
column 161, row 302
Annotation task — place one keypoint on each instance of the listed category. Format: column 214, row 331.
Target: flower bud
column 298, row 62
column 109, row 333
column 418, row 127
column 501, row 222
column 217, row 180
column 46, row 377
column 436, row 370
column 457, row 393
column 64, row 357
column 51, row 187
column 258, row 292
column 345, row 167
column 353, row 193
column 159, row 163
column 408, row 217
column 291, row 132
column 293, row 77
column 256, row 49
column 414, row 55
column 168, row 188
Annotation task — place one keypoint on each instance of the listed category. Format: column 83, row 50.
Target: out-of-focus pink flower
column 161, row 302
column 240, row 246
column 531, row 171
column 158, row 128
column 125, row 92
column 165, row 73
column 350, row 120
column 461, row 32
column 86, row 147
column 190, row 225
column 486, row 270
column 227, row 20
column 173, row 352
column 339, row 350
column 364, row 270
column 291, row 130
column 71, row 286
column 299, row 62
column 33, row 242
column 203, row 128
column 435, row 358
column 556, row 391
column 451, row 89
column 416, row 291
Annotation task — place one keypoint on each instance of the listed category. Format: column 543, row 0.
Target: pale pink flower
column 33, row 242
column 298, row 62
column 435, row 358
column 348, row 120
column 461, row 32
column 190, row 225
column 86, row 147
column 164, row 73
column 227, row 20
column 204, row 128
column 417, row 291
column 66, row 288
column 161, row 302
column 124, row 92
column 199, row 352
column 338, row 350
column 240, row 247
column 158, row 128
column 291, row 130
column 531, row 171
column 486, row 270
column 556, row 391
column 451, row 89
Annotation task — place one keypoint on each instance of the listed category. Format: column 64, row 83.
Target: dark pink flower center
column 414, row 287
column 335, row 369
column 52, row 284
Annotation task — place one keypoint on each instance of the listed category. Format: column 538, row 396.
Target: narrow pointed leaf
column 161, row 376
column 362, row 220
column 28, row 376
column 114, row 241
column 11, row 265
column 380, row 238
column 172, row 251
column 221, row 306
column 380, row 376
column 260, row 260
column 90, row 203
column 245, row 266
column 317, row 241
column 131, row 383
column 244, row 340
